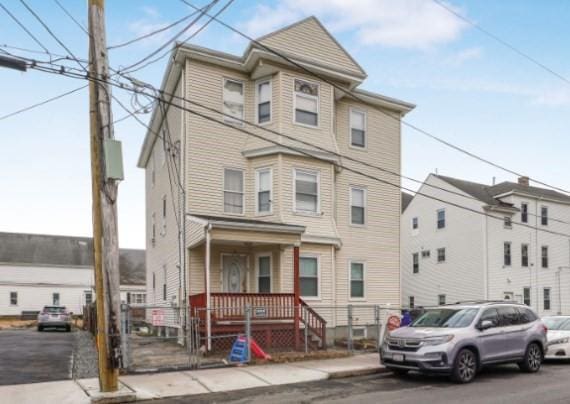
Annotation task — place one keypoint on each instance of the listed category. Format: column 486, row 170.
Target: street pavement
column 503, row 384
column 29, row 356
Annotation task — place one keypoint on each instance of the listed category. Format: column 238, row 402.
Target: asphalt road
column 29, row 356
column 505, row 384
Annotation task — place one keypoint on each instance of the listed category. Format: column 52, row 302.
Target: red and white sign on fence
column 157, row 317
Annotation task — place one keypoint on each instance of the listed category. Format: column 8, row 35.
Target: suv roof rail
column 486, row 302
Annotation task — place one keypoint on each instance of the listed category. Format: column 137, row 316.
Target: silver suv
column 458, row 340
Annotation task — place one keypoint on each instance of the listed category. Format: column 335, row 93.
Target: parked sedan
column 558, row 346
column 54, row 317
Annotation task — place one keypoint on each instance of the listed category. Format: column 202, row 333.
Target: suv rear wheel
column 532, row 359
column 465, row 366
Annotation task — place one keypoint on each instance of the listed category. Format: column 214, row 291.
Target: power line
column 168, row 51
column 39, row 104
column 502, row 41
column 307, row 152
column 356, row 97
column 72, row 17
column 36, row 40
column 202, row 11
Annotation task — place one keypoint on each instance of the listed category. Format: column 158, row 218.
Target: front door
column 491, row 340
column 233, row 273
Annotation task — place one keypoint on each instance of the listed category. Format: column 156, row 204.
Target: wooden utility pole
column 105, row 238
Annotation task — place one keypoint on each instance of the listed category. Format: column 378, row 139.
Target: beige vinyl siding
column 310, row 42
column 376, row 243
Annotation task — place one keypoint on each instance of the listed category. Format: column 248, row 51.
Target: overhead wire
column 36, row 40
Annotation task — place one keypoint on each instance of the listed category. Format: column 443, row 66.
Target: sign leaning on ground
column 157, row 317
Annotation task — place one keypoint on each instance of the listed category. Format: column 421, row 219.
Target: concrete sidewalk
column 185, row 383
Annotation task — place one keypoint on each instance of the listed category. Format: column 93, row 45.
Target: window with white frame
column 440, row 255
column 411, row 302
column 306, row 103
column 264, row 274
column 263, row 94
column 544, row 256
column 356, row 280
column 357, row 128
column 526, row 296
column 153, row 282
column 55, row 299
column 524, row 212
column 415, row 263
column 441, row 300
column 233, row 101
column 306, row 191
column 263, row 190
column 164, row 280
column 357, row 205
column 507, row 254
column 508, row 223
column 309, row 276
column 153, row 228
column 544, row 215
column 546, row 298
column 524, row 255
column 415, row 223
column 137, row 298
column 88, row 297
column 441, row 219
column 233, row 191
column 13, row 298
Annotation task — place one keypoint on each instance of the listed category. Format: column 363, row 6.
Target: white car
column 558, row 335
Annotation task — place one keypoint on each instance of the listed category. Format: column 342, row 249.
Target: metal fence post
column 349, row 340
column 378, row 325
column 248, row 330
column 304, row 314
column 124, row 335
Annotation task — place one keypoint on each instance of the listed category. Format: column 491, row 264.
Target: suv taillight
column 544, row 328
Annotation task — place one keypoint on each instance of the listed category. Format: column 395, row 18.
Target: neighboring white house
column 38, row 270
column 516, row 248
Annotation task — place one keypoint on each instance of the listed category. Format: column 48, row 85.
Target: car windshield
column 446, row 318
column 54, row 309
column 557, row 323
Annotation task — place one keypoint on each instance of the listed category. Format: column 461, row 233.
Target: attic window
column 306, row 103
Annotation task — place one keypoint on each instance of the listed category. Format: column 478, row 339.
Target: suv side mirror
column 485, row 325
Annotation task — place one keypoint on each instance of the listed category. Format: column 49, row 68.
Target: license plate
column 397, row 357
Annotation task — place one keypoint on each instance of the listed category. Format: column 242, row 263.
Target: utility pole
column 106, row 171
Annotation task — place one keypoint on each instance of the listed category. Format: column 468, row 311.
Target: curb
column 357, row 372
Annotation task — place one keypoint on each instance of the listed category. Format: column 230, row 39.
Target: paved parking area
column 29, row 356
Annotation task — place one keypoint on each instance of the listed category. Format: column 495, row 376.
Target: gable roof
column 489, row 193
column 406, row 199
column 67, row 251
column 309, row 39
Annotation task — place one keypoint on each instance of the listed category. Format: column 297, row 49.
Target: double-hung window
column 13, row 298
column 357, row 128
column 441, row 300
column 441, row 255
column 524, row 212
column 507, row 254
column 164, row 280
column 546, row 298
column 164, row 210
column 544, row 215
column 415, row 223
column 309, row 276
column 306, row 103
column 357, row 206
column 233, row 191
column 356, row 280
column 416, row 263
column 306, row 191
column 526, row 296
column 264, row 274
column 524, row 255
column 441, row 219
column 55, row 299
column 263, row 94
column 263, row 189
column 411, row 302
column 153, row 228
column 508, row 223
column 233, row 101
column 544, row 256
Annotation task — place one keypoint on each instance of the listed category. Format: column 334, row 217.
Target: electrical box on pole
column 113, row 160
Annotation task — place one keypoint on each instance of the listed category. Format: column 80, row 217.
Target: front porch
column 244, row 269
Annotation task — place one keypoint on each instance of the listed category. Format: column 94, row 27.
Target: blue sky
column 469, row 90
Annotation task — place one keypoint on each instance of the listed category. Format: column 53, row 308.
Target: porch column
column 296, row 293
column 208, row 292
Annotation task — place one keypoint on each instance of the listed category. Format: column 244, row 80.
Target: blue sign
column 238, row 353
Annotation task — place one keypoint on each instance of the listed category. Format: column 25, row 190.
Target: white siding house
column 38, row 270
column 514, row 244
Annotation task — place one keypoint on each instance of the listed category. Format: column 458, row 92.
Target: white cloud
column 418, row 24
column 554, row 97
column 463, row 56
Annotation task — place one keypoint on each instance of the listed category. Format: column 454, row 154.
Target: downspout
column 486, row 258
column 208, row 228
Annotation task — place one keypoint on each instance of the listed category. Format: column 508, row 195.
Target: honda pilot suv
column 458, row 340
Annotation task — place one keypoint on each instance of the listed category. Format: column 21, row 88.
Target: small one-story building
column 38, row 270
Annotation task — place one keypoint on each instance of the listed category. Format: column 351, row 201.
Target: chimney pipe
column 525, row 181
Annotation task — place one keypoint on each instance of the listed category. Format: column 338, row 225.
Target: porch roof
column 247, row 224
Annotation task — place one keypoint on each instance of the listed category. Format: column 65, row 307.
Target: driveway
column 29, row 356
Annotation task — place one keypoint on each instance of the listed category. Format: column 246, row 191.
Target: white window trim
column 257, row 257
column 163, row 210
column 363, row 112
column 310, row 172
column 153, row 229
column 527, row 211
column 228, row 119
column 258, row 171
column 510, row 254
column 318, row 257
column 542, row 247
column 549, row 298
column 257, row 84
column 444, row 299
column 243, row 199
column 246, row 274
column 309, row 97
column 418, row 255
column 10, row 297
column 412, row 223
column 364, row 271
column 437, row 261
column 359, row 188
column 437, row 228
column 547, row 215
